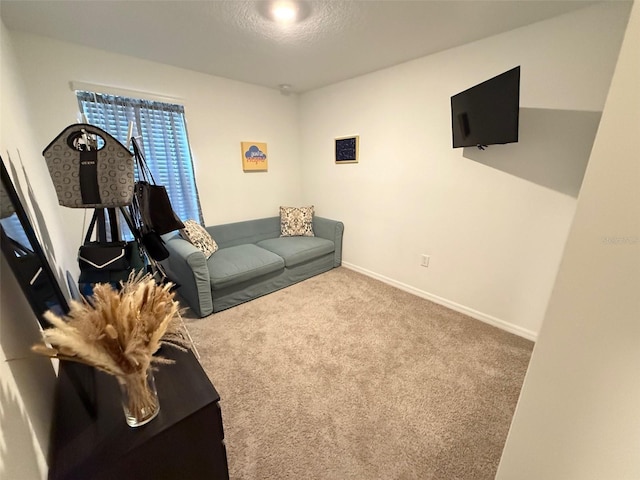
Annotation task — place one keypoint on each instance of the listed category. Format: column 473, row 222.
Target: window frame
column 170, row 158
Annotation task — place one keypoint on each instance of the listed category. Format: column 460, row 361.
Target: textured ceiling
column 335, row 41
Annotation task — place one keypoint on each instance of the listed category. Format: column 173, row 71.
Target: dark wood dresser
column 90, row 439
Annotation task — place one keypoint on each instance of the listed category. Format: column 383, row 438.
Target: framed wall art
column 347, row 149
column 254, row 156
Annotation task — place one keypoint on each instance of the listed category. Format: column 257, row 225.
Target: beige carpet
column 344, row 377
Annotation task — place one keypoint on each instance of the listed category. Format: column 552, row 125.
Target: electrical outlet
column 425, row 260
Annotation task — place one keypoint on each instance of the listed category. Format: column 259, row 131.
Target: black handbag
column 107, row 262
column 132, row 260
column 156, row 212
column 154, row 245
column 104, row 256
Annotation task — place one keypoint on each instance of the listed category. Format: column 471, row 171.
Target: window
column 164, row 141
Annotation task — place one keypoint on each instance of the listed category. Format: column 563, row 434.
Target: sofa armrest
column 331, row 230
column 187, row 266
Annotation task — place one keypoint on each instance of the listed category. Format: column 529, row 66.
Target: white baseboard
column 496, row 322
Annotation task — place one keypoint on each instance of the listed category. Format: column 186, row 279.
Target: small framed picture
column 254, row 156
column 347, row 149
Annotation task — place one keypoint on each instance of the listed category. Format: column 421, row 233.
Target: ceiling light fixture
column 284, row 11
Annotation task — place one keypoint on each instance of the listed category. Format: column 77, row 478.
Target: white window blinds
column 164, row 142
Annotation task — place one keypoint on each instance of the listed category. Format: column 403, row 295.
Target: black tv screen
column 487, row 114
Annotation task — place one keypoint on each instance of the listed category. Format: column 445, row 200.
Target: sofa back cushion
column 250, row 231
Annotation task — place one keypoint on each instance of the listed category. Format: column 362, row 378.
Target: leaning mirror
column 25, row 256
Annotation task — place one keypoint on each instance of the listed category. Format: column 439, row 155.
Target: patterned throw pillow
column 296, row 221
column 199, row 237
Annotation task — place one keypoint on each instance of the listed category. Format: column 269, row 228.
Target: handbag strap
column 129, row 218
column 143, row 168
column 114, row 224
column 92, row 224
column 99, row 218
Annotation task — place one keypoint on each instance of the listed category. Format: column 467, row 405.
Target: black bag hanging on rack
column 151, row 244
column 107, row 262
column 154, row 245
column 151, row 241
column 155, row 210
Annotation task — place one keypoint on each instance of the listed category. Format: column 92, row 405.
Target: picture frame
column 347, row 149
column 254, row 156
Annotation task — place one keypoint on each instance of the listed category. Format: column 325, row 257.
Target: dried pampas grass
column 117, row 332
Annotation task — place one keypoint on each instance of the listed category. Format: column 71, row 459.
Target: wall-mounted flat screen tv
column 487, row 114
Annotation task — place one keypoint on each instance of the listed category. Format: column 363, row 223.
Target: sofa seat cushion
column 233, row 265
column 296, row 250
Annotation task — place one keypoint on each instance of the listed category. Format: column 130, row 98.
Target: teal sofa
column 252, row 260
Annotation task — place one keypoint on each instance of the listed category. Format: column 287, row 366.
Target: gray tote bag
column 90, row 168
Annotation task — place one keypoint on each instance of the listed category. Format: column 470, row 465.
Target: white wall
column 495, row 234
column 27, row 383
column 22, row 156
column 577, row 418
column 220, row 114
column 26, row 380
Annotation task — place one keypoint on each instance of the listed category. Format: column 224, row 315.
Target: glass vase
column 139, row 398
